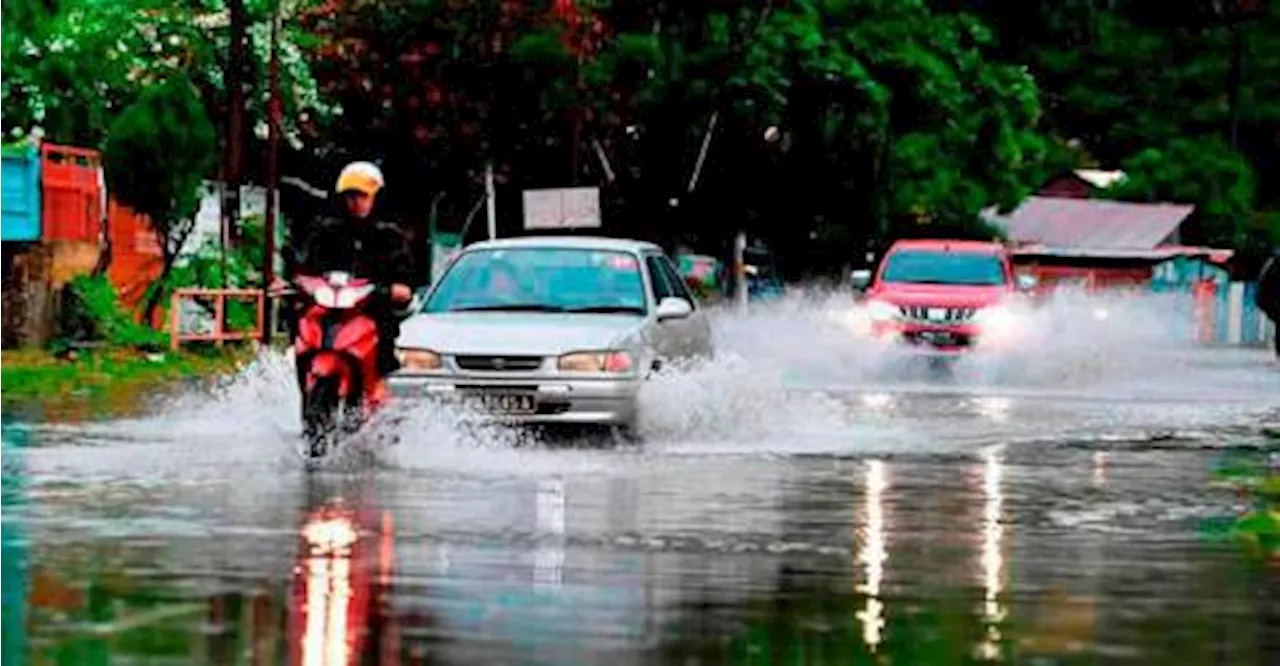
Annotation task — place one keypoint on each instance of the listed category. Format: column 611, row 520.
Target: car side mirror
column 860, row 278
column 672, row 307
column 1027, row 282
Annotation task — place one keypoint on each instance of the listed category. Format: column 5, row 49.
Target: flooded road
column 794, row 504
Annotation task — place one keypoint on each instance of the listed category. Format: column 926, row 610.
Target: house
column 1100, row 242
column 1081, row 183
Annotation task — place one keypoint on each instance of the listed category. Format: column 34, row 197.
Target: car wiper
column 607, row 309
column 512, row 307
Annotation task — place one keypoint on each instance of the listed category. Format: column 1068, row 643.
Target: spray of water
column 789, row 376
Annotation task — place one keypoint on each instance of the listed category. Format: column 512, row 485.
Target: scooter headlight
column 418, row 359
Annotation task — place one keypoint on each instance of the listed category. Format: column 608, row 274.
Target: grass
column 108, row 379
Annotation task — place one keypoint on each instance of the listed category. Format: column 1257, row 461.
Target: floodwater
column 801, row 500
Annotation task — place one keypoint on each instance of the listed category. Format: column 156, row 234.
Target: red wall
column 1101, row 277
column 136, row 257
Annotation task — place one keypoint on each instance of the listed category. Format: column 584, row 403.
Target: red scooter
column 337, row 358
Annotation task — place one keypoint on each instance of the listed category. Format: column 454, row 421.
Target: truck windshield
column 939, row 267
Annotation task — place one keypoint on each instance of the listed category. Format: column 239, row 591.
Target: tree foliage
column 1205, row 172
column 71, row 66
column 1151, row 88
column 157, row 153
column 887, row 115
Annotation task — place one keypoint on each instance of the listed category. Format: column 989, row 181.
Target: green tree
column 1204, row 172
column 888, row 115
column 157, row 153
column 1136, row 82
column 71, row 66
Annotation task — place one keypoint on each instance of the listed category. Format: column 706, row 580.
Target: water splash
column 784, row 381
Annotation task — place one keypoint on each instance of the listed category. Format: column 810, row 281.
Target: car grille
column 921, row 313
column 499, row 363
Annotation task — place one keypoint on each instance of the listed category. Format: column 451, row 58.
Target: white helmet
column 360, row 176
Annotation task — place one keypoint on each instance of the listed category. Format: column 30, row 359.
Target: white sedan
column 550, row 330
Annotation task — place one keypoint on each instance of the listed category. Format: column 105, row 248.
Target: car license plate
column 937, row 314
column 937, row 337
column 504, row 402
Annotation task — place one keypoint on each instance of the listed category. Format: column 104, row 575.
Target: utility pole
column 740, row 269
column 273, row 152
column 233, row 159
column 490, row 204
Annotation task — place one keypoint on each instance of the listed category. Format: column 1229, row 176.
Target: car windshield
column 939, row 267
column 541, row 280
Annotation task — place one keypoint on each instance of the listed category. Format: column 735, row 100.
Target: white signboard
column 562, row 208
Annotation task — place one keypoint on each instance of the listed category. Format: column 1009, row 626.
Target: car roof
column 948, row 245
column 599, row 243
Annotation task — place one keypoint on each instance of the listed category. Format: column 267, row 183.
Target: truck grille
column 937, row 314
column 499, row 363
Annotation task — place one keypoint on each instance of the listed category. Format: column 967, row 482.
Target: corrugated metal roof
column 1091, row 223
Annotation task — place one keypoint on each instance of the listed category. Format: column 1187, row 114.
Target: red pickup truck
column 943, row 296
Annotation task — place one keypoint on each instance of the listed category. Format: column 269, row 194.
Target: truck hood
column 518, row 333
column 941, row 295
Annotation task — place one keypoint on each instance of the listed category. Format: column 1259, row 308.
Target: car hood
column 518, row 333
column 943, row 295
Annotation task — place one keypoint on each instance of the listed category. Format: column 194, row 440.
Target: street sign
column 562, row 208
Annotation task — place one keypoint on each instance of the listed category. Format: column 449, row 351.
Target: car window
column 541, row 279
column 941, row 267
column 661, row 283
column 677, row 283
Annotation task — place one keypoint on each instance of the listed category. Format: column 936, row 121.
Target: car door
column 686, row 337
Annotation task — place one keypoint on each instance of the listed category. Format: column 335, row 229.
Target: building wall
column 1050, row 275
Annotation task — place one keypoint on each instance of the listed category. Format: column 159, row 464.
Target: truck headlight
column 881, row 311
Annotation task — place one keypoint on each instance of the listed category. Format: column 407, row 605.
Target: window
column 939, row 267
column 677, row 283
column 541, row 279
column 662, row 286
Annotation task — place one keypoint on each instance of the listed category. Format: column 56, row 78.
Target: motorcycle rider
column 356, row 241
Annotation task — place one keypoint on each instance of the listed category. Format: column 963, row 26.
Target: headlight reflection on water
column 992, row 556
column 877, row 401
column 995, row 408
column 873, row 554
column 328, row 590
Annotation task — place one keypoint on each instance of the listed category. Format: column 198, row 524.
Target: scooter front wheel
column 320, row 415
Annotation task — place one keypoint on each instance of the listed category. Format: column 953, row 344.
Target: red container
column 70, row 192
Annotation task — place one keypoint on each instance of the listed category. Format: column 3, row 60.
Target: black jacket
column 368, row 249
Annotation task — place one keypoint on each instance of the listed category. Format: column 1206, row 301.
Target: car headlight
column 881, row 311
column 997, row 318
column 610, row 361
column 418, row 359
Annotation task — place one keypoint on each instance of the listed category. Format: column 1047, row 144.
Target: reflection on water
column 698, row 563
column 873, row 554
column 549, row 557
column 327, row 588
column 992, row 555
column 14, row 544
